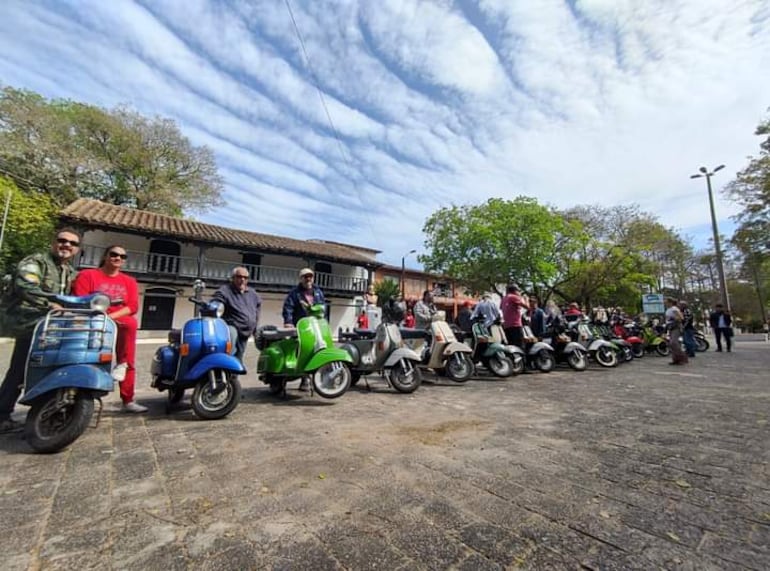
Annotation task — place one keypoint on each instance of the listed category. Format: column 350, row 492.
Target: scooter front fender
column 539, row 346
column 325, row 356
column 213, row 361
column 399, row 354
column 86, row 377
column 596, row 343
column 456, row 347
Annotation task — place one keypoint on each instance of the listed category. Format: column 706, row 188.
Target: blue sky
column 432, row 103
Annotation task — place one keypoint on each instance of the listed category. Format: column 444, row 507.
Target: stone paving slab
column 641, row 467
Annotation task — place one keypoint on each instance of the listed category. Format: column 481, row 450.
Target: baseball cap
column 305, row 271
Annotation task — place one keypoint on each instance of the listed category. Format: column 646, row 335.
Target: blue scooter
column 69, row 366
column 199, row 357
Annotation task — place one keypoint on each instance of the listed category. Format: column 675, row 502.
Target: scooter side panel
column 223, row 361
column 89, row 377
column 399, row 354
column 277, row 357
column 352, row 350
column 539, row 346
column 456, row 346
column 572, row 346
column 325, row 356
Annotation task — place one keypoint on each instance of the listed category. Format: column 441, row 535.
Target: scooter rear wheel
column 638, row 350
column 52, row 426
column 701, row 344
column 662, row 349
column 216, row 403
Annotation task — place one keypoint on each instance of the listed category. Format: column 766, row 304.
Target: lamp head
column 704, row 170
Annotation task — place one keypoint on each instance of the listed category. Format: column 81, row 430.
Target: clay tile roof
column 96, row 213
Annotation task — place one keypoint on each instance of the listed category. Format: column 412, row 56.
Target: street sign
column 653, row 303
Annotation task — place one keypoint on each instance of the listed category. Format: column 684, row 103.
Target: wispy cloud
column 431, row 102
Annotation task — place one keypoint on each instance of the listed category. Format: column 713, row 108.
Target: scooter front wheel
column 405, row 376
column 57, row 419
column 459, row 367
column 216, row 396
column 577, row 360
column 500, row 364
column 331, row 380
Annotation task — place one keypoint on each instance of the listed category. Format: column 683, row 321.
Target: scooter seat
column 365, row 333
column 276, row 334
column 414, row 333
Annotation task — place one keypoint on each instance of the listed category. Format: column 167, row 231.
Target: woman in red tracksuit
column 108, row 279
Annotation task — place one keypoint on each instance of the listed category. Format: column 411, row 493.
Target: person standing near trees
column 674, row 321
column 512, row 305
column 42, row 273
column 721, row 322
column 109, row 279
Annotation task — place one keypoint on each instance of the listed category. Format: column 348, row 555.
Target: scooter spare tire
column 332, row 379
column 405, row 376
column 577, row 360
column 459, row 367
column 662, row 349
column 51, row 426
column 214, row 403
column 500, row 364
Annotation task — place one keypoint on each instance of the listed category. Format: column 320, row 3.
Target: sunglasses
column 241, row 276
column 118, row 255
column 65, row 242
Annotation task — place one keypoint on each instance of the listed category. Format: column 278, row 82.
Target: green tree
column 69, row 149
column 385, row 291
column 751, row 189
column 611, row 267
column 500, row 241
column 29, row 225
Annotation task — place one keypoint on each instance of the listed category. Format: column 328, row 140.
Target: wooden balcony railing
column 186, row 268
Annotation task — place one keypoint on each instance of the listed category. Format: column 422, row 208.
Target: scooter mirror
column 100, row 302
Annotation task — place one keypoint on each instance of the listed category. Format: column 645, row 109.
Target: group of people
column 54, row 272
column 680, row 322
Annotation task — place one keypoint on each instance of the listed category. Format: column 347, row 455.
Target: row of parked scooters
column 69, row 366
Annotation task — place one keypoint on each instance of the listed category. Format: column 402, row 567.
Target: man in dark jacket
column 46, row 272
column 242, row 307
column 721, row 322
column 299, row 300
column 463, row 320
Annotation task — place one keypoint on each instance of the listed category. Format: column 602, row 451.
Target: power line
column 316, row 84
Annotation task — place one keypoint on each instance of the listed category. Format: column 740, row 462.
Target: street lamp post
column 403, row 269
column 704, row 172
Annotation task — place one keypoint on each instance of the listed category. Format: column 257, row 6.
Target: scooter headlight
column 100, row 302
column 218, row 308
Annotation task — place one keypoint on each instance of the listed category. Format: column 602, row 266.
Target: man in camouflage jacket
column 46, row 272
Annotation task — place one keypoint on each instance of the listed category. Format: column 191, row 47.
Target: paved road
column 641, row 467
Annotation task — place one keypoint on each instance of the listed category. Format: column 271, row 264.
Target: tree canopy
column 489, row 245
column 67, row 149
column 29, row 225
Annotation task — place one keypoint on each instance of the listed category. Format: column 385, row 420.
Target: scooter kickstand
column 99, row 412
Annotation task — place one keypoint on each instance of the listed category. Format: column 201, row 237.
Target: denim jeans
column 689, row 342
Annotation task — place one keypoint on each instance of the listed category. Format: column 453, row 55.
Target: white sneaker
column 119, row 372
column 134, row 407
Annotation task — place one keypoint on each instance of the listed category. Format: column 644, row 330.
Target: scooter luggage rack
column 62, row 325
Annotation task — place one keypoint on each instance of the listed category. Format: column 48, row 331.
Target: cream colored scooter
column 440, row 350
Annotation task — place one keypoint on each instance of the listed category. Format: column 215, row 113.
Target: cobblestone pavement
column 641, row 467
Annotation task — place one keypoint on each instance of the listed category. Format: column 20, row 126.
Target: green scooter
column 307, row 351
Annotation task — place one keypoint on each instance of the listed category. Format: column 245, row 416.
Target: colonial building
column 167, row 254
